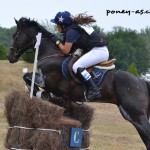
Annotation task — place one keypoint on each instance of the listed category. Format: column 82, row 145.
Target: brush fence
column 41, row 125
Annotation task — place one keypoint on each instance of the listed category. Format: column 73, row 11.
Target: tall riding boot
column 28, row 81
column 92, row 90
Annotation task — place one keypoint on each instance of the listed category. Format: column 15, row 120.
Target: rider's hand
column 55, row 39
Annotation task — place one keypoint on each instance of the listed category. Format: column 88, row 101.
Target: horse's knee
column 27, row 77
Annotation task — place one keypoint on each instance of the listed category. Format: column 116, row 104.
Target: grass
column 109, row 131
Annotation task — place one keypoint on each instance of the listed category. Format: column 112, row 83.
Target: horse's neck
column 49, row 57
column 47, row 49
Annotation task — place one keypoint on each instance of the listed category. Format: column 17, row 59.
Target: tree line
column 129, row 47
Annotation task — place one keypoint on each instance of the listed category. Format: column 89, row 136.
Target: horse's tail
column 148, row 86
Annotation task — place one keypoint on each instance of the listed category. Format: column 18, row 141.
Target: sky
column 104, row 11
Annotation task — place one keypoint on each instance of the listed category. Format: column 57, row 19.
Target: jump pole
column 38, row 41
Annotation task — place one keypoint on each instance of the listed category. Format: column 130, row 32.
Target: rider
column 78, row 33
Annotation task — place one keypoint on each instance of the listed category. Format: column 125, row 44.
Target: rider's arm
column 65, row 48
column 72, row 36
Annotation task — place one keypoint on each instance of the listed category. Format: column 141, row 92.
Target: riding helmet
column 63, row 18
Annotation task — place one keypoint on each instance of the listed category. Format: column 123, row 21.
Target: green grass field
column 109, row 131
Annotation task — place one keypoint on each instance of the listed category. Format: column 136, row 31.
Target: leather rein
column 54, row 55
column 17, row 51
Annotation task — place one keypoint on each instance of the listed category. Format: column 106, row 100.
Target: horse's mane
column 22, row 21
column 27, row 22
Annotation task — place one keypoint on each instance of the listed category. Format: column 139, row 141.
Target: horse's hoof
column 45, row 95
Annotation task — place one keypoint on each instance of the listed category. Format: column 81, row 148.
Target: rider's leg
column 92, row 91
column 95, row 56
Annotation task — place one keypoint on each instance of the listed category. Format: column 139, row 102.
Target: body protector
column 88, row 38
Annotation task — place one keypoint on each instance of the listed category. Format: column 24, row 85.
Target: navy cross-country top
column 72, row 36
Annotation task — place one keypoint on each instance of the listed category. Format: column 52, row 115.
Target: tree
column 99, row 30
column 3, row 54
column 28, row 56
column 145, row 31
column 49, row 26
column 6, row 36
column 145, row 35
column 128, row 47
column 133, row 69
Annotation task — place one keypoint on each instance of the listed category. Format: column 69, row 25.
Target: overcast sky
column 42, row 10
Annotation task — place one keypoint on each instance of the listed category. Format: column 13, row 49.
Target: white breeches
column 93, row 57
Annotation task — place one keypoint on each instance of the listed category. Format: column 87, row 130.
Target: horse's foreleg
column 141, row 123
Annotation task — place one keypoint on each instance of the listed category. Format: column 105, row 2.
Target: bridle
column 15, row 51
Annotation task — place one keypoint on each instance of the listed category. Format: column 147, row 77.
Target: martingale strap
column 55, row 55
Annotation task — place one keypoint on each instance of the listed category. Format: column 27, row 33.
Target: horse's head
column 24, row 38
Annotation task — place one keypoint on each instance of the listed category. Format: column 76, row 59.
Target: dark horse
column 129, row 93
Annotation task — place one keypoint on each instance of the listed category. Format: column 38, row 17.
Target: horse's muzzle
column 12, row 59
column 13, row 55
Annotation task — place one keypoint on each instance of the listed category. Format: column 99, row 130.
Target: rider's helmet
column 63, row 18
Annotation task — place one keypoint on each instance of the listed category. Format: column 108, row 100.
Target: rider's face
column 59, row 28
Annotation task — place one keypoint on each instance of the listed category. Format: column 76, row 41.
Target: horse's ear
column 17, row 22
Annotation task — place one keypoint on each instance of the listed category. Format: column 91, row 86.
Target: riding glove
column 55, row 39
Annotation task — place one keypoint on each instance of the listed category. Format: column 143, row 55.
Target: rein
column 54, row 55
column 17, row 51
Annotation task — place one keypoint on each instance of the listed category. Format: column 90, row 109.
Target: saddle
column 108, row 65
column 96, row 69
